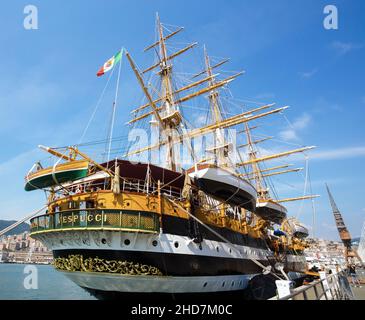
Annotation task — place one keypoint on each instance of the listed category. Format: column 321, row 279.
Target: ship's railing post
column 324, row 290
column 305, row 296
column 337, row 287
column 102, row 218
column 316, row 292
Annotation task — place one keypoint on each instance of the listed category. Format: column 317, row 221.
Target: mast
column 256, row 172
column 220, row 150
column 165, row 108
column 168, row 102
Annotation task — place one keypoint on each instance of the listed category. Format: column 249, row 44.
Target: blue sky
column 48, row 87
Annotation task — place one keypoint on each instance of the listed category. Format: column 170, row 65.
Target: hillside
column 18, row 230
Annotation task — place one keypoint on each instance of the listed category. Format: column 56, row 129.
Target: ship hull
column 190, row 268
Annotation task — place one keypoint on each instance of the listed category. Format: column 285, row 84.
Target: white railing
column 135, row 185
column 330, row 287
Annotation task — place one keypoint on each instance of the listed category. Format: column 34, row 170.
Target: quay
column 337, row 286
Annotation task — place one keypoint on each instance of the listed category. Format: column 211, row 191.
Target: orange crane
column 345, row 236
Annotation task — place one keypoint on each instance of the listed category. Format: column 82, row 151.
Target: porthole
column 217, row 248
column 176, row 244
column 230, row 250
column 61, row 241
column 223, row 284
column 127, row 242
column 232, row 284
column 205, row 284
column 103, row 241
column 154, row 243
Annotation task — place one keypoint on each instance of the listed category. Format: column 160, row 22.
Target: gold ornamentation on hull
column 78, row 263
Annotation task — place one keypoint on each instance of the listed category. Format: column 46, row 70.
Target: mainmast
column 221, row 148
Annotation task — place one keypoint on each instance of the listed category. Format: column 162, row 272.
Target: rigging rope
column 264, row 268
column 305, row 187
column 96, row 107
column 14, row 225
column 114, row 106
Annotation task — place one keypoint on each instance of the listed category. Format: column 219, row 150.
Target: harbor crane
column 350, row 252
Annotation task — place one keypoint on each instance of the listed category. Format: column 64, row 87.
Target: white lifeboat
column 299, row 230
column 271, row 210
column 224, row 185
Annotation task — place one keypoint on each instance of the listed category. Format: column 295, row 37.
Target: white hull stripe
column 151, row 284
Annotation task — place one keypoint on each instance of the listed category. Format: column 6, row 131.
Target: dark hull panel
column 173, row 264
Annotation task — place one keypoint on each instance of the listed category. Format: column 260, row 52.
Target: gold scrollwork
column 78, row 263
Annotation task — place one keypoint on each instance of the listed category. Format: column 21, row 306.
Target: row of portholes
column 230, row 250
column 240, row 283
column 127, row 242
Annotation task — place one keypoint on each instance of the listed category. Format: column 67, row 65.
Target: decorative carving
column 78, row 263
column 109, row 238
column 96, row 238
column 85, row 238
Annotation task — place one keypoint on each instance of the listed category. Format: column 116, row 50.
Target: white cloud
column 343, row 48
column 265, row 96
column 308, row 74
column 341, row 153
column 288, row 135
column 291, row 132
column 322, row 105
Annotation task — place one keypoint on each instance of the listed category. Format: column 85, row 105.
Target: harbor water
column 51, row 284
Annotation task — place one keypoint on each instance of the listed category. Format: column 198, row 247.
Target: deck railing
column 332, row 287
column 97, row 219
column 128, row 185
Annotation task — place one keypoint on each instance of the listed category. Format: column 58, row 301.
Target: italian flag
column 110, row 64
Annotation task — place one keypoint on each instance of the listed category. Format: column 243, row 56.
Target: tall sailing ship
column 122, row 226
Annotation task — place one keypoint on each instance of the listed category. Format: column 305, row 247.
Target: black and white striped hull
column 209, row 267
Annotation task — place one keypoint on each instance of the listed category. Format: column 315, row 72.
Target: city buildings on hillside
column 23, row 249
column 325, row 253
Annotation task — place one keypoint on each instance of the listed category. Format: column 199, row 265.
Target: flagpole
column 114, row 106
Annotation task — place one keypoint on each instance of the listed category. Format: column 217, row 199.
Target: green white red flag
column 109, row 65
